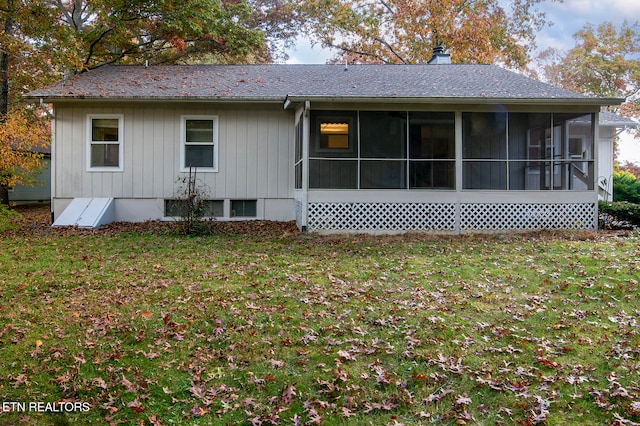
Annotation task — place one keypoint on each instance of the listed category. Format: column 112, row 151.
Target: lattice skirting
column 444, row 216
column 381, row 216
column 526, row 216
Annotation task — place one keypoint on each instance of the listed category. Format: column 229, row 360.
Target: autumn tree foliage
column 45, row 40
column 406, row 31
column 604, row 62
column 23, row 66
column 633, row 168
column 88, row 34
column 24, row 137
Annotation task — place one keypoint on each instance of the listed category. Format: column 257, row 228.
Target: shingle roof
column 611, row 119
column 277, row 82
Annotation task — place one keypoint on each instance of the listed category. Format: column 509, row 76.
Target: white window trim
column 120, row 118
column 183, row 141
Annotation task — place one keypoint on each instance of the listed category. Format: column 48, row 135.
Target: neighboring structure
column 455, row 148
column 611, row 125
column 40, row 192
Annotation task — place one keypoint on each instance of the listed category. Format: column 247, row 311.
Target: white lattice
column 524, row 216
column 442, row 216
column 381, row 216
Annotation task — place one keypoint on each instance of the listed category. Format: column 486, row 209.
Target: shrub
column 626, row 187
column 620, row 212
column 190, row 205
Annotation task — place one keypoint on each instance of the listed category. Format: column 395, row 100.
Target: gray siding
column 255, row 152
column 39, row 192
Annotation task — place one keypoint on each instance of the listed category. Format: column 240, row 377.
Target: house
column 373, row 148
column 611, row 125
column 40, row 192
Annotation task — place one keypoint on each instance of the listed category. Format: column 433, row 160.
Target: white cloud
column 304, row 53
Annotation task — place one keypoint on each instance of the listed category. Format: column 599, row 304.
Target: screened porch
column 454, row 171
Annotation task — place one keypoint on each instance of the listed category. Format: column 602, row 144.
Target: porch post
column 595, row 148
column 306, row 130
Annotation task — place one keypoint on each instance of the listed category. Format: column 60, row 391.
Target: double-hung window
column 199, row 143
column 105, row 134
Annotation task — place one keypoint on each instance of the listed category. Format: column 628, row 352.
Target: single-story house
column 364, row 148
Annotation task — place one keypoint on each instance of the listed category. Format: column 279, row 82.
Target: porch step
column 87, row 213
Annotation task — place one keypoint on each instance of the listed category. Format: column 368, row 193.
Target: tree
column 604, row 62
column 44, row 40
column 89, row 34
column 633, row 168
column 406, row 31
column 22, row 67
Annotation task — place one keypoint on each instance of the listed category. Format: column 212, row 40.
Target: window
column 199, row 143
column 105, row 142
column 333, row 134
column 243, row 208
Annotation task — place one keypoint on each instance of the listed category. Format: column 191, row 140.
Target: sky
column 567, row 18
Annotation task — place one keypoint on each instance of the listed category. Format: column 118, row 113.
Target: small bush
column 190, row 205
column 8, row 218
column 626, row 187
column 621, row 212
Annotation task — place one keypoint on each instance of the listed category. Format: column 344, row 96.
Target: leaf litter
column 263, row 325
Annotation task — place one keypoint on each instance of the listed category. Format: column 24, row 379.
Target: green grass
column 268, row 328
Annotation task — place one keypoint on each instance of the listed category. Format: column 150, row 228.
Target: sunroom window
column 382, row 150
column 527, row 151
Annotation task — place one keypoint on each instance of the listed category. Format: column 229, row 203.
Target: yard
column 258, row 324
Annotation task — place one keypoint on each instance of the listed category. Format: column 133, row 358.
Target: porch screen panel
column 383, row 137
column 333, row 150
column 484, row 175
column 484, row 150
column 298, row 155
column 530, row 152
column 383, row 134
column 333, row 134
column 333, row 174
column 387, row 174
column 573, row 165
column 432, row 150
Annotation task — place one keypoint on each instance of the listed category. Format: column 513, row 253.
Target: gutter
column 289, row 101
column 76, row 98
column 459, row 100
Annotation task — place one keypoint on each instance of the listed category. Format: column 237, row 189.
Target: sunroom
column 457, row 170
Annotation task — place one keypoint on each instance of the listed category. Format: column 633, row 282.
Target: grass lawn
column 137, row 325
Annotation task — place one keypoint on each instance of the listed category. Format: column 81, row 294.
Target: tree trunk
column 4, row 69
column 4, row 195
column 4, row 92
